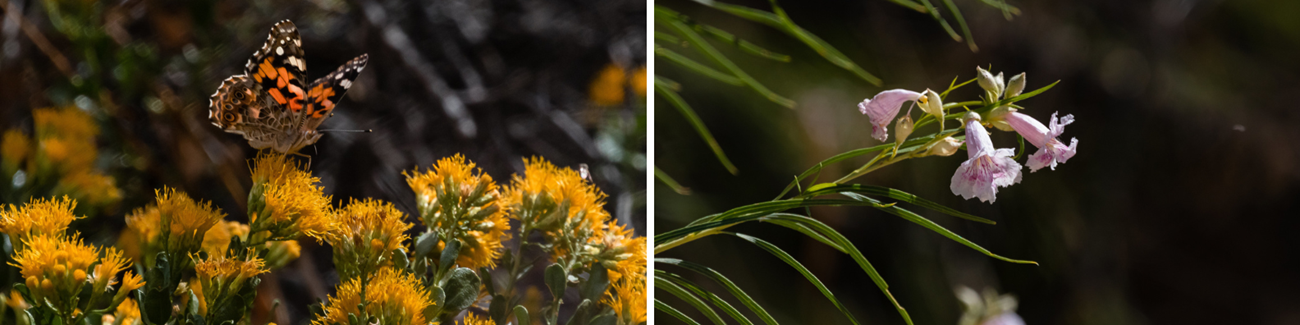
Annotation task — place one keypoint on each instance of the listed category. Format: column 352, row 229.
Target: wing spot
column 279, row 50
column 346, row 84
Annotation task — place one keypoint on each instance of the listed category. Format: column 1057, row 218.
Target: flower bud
column 970, row 116
column 945, row 147
column 989, row 82
column 1016, row 85
column 903, row 128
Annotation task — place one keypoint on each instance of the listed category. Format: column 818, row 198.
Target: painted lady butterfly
column 269, row 105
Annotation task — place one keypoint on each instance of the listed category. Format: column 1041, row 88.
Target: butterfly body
column 269, row 104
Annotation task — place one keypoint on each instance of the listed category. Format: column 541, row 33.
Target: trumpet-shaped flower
column 987, row 169
column 390, row 296
column 1050, row 150
column 457, row 202
column 882, row 108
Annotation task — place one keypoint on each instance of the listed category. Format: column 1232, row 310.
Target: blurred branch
column 399, row 42
column 38, row 38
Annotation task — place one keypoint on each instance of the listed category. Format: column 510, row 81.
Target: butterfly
column 269, row 104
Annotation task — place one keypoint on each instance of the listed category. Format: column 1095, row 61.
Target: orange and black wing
column 279, row 67
column 325, row 93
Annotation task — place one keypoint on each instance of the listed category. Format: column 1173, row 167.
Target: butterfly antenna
column 347, row 131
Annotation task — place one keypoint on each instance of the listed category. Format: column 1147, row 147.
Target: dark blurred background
column 1174, row 211
column 493, row 80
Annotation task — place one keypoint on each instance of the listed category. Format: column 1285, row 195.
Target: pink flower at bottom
column 882, row 108
column 1050, row 150
column 987, row 169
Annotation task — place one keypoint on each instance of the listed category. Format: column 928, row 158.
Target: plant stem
column 688, row 238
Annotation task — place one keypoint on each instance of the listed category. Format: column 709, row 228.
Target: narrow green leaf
column 934, row 12
column 781, row 254
column 961, row 21
column 812, row 41
column 669, row 38
column 661, row 306
column 713, row 298
column 744, row 45
column 910, row 5
column 700, row 68
column 670, row 182
column 677, row 102
column 894, row 194
column 672, row 288
column 725, row 282
column 675, row 23
column 846, row 155
column 917, row 219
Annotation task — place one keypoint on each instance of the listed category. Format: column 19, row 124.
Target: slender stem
column 688, row 238
column 514, row 266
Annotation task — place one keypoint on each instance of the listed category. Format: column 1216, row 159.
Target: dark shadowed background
column 1178, row 209
column 496, row 81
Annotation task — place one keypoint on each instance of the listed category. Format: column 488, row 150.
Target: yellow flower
column 55, row 266
column 621, row 252
column 89, row 187
column 286, row 201
column 220, row 277
column 16, row 301
column 176, row 223
column 607, row 88
column 68, row 122
column 127, row 313
column 475, row 319
column 456, row 202
column 639, row 81
column 14, row 148
column 569, row 210
column 66, row 155
column 391, row 296
column 366, row 233
column 37, row 217
column 217, row 239
column 628, row 299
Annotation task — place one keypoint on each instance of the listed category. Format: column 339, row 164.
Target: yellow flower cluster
column 61, row 157
column 176, row 223
column 127, row 313
column 624, row 256
column 390, row 296
column 609, row 86
column 221, row 277
column 475, row 319
column 559, row 202
column 57, row 267
column 456, row 201
column 365, row 236
column 286, row 201
column 37, row 217
column 216, row 242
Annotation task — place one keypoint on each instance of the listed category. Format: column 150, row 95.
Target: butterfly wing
column 279, row 67
column 325, row 93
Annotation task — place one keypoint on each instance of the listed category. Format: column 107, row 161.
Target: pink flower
column 882, row 108
column 987, row 169
column 1050, row 150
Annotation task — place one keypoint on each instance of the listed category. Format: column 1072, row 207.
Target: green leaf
column 462, row 289
column 725, row 282
column 675, row 22
column 581, row 313
column 661, row 306
column 556, row 279
column 782, row 22
column 597, row 281
column 934, row 12
column 917, row 219
column 670, row 182
column 672, row 288
column 449, row 254
column 846, row 155
column 961, row 21
column 713, row 298
column 521, row 315
column 676, row 101
column 425, row 244
column 686, row 62
column 781, row 254
column 894, row 194
column 744, row 45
